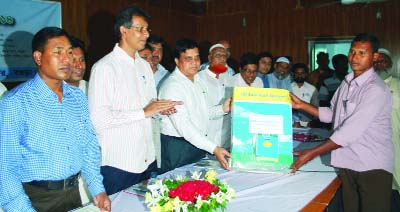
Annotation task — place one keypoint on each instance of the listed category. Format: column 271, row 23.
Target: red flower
column 189, row 190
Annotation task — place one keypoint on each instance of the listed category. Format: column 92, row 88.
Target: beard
column 280, row 76
column 299, row 79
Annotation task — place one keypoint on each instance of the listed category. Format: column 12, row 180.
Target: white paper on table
column 266, row 124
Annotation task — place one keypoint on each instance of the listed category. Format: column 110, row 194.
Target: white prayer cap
column 384, row 51
column 282, row 60
column 217, row 45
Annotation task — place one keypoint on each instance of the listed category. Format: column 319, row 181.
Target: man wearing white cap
column 204, row 66
column 218, row 82
column 280, row 78
column 383, row 65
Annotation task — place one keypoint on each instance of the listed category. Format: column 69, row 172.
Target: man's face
column 135, row 37
column 146, row 54
column 55, row 62
column 227, row 48
column 264, row 65
column 281, row 70
column 78, row 65
column 300, row 75
column 383, row 62
column 217, row 57
column 249, row 73
column 189, row 63
column 157, row 52
column 361, row 57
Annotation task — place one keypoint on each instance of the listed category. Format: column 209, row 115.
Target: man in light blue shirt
column 280, row 78
column 160, row 73
column 47, row 138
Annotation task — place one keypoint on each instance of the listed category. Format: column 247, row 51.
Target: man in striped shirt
column 122, row 100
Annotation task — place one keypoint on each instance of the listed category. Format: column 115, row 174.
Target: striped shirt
column 119, row 88
column 43, row 139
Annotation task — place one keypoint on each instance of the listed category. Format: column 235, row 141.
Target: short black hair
column 147, row 46
column 124, row 18
column 77, row 43
column 42, row 36
column 183, row 45
column 248, row 58
column 264, row 54
column 367, row 37
column 322, row 54
column 300, row 65
column 155, row 39
column 339, row 57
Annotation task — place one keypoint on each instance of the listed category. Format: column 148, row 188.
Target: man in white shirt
column 248, row 72
column 219, row 83
column 122, row 100
column 304, row 90
column 227, row 47
column 184, row 137
column 78, row 64
column 3, row 90
column 160, row 73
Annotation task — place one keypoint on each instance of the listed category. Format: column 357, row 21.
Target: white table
column 255, row 191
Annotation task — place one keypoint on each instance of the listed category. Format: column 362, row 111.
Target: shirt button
column 145, row 161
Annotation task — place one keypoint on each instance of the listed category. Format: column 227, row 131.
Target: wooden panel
column 321, row 201
column 276, row 26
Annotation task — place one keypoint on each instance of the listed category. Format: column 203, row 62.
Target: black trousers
column 369, row 191
column 115, row 179
column 177, row 152
column 46, row 200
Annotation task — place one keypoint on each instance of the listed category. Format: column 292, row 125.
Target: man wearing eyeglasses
column 248, row 72
column 219, row 83
column 122, row 100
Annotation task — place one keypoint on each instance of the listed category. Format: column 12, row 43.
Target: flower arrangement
column 186, row 195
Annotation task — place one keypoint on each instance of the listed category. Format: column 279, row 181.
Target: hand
column 296, row 101
column 157, row 106
column 304, row 157
column 221, row 154
column 226, row 107
column 102, row 201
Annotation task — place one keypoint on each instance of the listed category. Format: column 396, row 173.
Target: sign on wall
column 19, row 21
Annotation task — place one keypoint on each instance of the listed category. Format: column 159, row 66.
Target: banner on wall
column 19, row 21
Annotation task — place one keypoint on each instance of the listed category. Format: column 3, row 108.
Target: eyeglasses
column 141, row 29
column 218, row 56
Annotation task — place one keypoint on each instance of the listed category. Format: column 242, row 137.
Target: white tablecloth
column 255, row 191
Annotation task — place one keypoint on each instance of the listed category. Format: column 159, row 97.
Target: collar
column 360, row 80
column 181, row 75
column 124, row 56
column 45, row 91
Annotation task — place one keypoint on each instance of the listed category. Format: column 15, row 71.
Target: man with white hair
column 383, row 65
column 281, row 77
column 227, row 47
column 218, row 82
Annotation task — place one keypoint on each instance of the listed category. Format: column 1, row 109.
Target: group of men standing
column 48, row 138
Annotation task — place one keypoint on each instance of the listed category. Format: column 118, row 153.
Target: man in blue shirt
column 265, row 60
column 47, row 138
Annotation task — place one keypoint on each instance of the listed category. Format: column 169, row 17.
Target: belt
column 68, row 183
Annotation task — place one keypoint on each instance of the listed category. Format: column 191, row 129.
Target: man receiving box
column 361, row 142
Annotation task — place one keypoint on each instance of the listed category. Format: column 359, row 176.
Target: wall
column 276, row 26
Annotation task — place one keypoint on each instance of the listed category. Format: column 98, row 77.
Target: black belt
column 68, row 183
